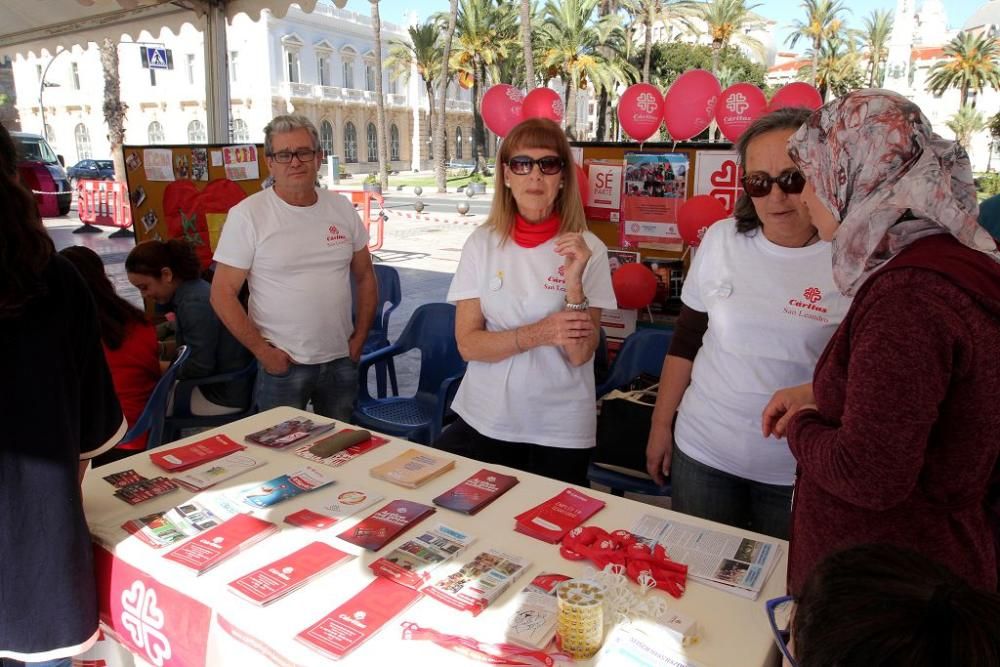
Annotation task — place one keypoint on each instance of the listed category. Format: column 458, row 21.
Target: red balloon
column 501, row 108
column 543, row 103
column 797, row 94
column 690, row 104
column 582, row 182
column 739, row 105
column 640, row 110
column 634, row 285
column 698, row 214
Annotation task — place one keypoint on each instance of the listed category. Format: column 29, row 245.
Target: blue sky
column 782, row 11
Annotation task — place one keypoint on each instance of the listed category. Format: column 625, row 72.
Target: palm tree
column 572, row 41
column 965, row 124
column 382, row 150
column 822, row 22
column 836, row 67
column 726, row 21
column 970, row 62
column 875, row 40
column 529, row 59
column 114, row 108
column 424, row 51
column 440, row 172
column 649, row 12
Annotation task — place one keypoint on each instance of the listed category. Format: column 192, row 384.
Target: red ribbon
column 494, row 654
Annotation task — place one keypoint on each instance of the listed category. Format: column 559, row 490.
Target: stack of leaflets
column 412, row 562
column 217, row 544
column 476, row 492
column 145, row 489
column 412, row 468
column 477, row 583
column 534, row 621
column 287, row 432
column 286, row 575
column 375, row 531
column 339, row 458
column 162, row 529
column 211, row 473
column 287, row 486
column 327, row 512
column 550, row 521
column 729, row 562
column 194, row 454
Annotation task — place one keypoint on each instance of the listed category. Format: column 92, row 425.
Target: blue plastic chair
column 152, row 417
column 431, row 330
column 182, row 417
column 389, row 292
column 642, row 352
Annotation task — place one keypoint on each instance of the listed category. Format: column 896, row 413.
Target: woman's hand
column 783, row 406
column 566, row 327
column 574, row 250
column 659, row 451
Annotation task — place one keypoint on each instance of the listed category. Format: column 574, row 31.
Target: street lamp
column 42, row 85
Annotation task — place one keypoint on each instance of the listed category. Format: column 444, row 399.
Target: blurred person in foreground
column 896, row 435
column 529, row 290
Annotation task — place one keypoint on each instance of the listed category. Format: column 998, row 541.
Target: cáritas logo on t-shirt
column 808, row 305
column 557, row 281
column 335, row 237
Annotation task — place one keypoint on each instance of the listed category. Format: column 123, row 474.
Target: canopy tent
column 28, row 26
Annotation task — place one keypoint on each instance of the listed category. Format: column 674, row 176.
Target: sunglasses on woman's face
column 548, row 165
column 758, row 184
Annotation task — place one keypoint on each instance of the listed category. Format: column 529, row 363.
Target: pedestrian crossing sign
column 156, row 57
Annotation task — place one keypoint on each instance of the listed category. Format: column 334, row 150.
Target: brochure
column 412, row 562
column 534, row 621
column 209, row 474
column 162, row 529
column 194, row 454
column 558, row 515
column 413, row 468
column 377, row 530
column 477, row 583
column 283, row 487
column 476, row 492
column 288, row 431
column 145, row 489
column 322, row 514
column 224, row 541
column 285, row 575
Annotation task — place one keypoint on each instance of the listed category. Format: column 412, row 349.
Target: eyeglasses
column 758, row 184
column 284, row 157
column 548, row 165
column 779, row 613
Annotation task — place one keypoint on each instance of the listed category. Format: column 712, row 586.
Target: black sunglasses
column 758, row 184
column 548, row 165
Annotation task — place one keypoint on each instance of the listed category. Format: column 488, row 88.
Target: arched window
column 196, row 132
column 458, row 143
column 155, row 133
column 239, row 132
column 350, row 143
column 82, row 142
column 372, row 136
column 326, row 137
column 393, row 142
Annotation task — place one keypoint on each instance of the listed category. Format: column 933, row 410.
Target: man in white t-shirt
column 297, row 247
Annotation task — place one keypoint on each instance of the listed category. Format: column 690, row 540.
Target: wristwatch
column 583, row 305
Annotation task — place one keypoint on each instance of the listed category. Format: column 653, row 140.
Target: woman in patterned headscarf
column 896, row 437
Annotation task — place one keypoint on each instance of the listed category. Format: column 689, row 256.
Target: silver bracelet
column 583, row 305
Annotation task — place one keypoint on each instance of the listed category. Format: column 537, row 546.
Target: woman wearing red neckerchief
column 529, row 290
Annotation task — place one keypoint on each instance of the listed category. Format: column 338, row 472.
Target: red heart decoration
column 184, row 207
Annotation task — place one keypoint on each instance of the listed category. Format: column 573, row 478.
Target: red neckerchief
column 530, row 234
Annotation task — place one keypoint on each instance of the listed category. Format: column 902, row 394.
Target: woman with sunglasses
column 759, row 305
column 529, row 290
column 896, row 435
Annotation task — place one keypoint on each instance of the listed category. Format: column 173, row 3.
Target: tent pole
column 216, row 72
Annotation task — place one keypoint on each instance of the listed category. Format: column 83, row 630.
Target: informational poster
column 718, row 173
column 241, row 163
column 655, row 187
column 158, row 164
column 604, row 201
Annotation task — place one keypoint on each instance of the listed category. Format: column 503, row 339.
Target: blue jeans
column 331, row 386
column 703, row 491
column 58, row 662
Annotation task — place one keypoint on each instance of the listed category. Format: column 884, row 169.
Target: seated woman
column 130, row 346
column 896, row 435
column 168, row 272
column 529, row 289
column 759, row 305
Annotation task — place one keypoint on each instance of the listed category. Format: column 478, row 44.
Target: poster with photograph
column 158, row 164
column 655, row 187
column 669, row 281
column 718, row 173
column 199, row 164
column 604, row 200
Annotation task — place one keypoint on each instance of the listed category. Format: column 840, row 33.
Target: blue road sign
column 156, row 57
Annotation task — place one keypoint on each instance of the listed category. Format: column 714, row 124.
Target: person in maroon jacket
column 896, row 437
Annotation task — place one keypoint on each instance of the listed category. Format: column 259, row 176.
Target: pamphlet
column 340, row 458
column 219, row 470
column 288, row 431
column 412, row 562
column 195, row 453
column 558, row 515
column 377, row 530
column 283, row 487
column 285, row 575
column 477, row 583
column 729, row 562
column 534, row 621
column 217, row 544
column 476, row 492
column 145, row 489
column 413, row 468
column 162, row 529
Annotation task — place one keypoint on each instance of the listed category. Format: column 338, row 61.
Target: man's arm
column 367, row 296
column 226, row 285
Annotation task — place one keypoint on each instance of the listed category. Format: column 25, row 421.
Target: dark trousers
column 567, row 465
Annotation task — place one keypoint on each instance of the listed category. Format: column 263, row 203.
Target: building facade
column 319, row 64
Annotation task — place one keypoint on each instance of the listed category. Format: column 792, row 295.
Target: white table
column 734, row 630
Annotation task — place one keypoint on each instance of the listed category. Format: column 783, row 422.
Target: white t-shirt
column 299, row 260
column 771, row 311
column 535, row 396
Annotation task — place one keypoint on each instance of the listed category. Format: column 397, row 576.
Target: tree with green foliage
column 875, row 41
column 970, row 62
column 821, row 23
column 966, row 123
column 649, row 12
column 837, row 67
column 423, row 51
column 726, row 22
column 671, row 59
